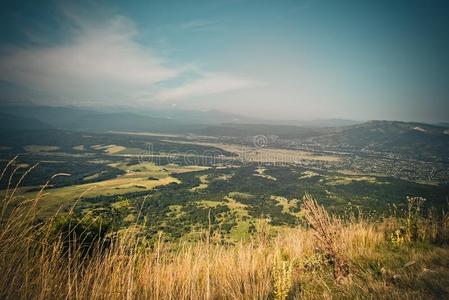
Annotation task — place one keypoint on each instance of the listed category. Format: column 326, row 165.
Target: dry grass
column 328, row 232
column 298, row 263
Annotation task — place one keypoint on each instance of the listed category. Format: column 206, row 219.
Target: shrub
column 413, row 217
column 81, row 233
column 327, row 231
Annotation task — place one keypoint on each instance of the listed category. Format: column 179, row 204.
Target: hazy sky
column 272, row 59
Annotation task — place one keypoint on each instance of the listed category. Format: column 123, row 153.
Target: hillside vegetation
column 323, row 257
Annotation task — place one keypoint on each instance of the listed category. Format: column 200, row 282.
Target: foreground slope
column 393, row 258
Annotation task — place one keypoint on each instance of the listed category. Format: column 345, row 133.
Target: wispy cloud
column 101, row 61
column 198, row 25
column 95, row 62
column 209, row 84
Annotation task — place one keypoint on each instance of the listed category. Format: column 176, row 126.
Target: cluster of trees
column 77, row 171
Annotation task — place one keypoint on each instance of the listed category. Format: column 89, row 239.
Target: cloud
column 199, row 25
column 96, row 62
column 209, row 84
column 102, row 62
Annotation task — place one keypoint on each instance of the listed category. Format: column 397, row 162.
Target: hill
column 57, row 117
column 373, row 136
column 10, row 122
column 121, row 118
column 401, row 257
column 391, row 136
column 128, row 122
column 333, row 122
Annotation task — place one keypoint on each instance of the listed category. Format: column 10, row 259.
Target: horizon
column 286, row 60
column 247, row 119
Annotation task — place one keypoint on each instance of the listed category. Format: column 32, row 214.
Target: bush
column 81, row 233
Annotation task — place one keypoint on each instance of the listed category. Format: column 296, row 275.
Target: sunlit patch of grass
column 138, row 177
column 287, row 205
column 208, row 203
column 239, row 195
column 112, row 149
column 79, row 148
column 203, row 183
column 91, row 177
column 240, row 231
column 344, row 180
column 175, row 211
column 124, row 203
column 260, row 172
column 224, row 177
column 130, row 218
column 176, row 169
column 57, row 197
column 236, row 206
column 308, row 174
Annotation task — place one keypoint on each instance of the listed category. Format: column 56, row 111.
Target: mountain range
column 391, row 136
column 132, row 119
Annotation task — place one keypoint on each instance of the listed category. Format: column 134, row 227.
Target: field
column 267, row 155
column 182, row 190
column 140, row 177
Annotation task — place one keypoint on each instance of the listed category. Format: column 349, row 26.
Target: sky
column 283, row 59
